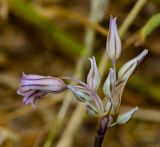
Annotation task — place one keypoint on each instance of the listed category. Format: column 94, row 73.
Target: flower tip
column 18, row 92
column 23, row 74
column 113, row 20
column 145, row 51
column 33, row 106
column 111, row 17
column 141, row 56
column 136, row 108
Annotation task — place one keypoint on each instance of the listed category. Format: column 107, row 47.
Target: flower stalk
column 101, row 131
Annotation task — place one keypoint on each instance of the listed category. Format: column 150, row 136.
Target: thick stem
column 102, row 128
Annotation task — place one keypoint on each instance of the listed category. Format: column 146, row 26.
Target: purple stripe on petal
column 31, row 76
column 33, row 96
column 43, row 78
column 33, row 87
column 26, row 98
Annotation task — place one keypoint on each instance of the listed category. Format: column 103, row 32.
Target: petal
column 48, row 84
column 32, row 96
column 110, row 39
column 91, row 110
column 32, row 76
column 117, row 40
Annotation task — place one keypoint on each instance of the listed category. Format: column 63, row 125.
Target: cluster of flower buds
column 33, row 87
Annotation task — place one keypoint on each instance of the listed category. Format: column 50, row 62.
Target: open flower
column 33, row 87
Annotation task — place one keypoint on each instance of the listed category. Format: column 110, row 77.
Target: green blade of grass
column 28, row 13
column 150, row 26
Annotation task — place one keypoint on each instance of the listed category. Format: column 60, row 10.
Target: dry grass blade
column 61, row 12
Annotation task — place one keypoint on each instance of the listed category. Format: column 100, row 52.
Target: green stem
column 131, row 17
column 151, row 25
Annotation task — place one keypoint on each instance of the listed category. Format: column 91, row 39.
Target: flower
column 33, row 87
column 93, row 78
column 128, row 68
column 126, row 117
column 109, row 84
column 113, row 44
column 81, row 93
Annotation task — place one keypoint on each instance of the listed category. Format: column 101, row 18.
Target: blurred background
column 56, row 37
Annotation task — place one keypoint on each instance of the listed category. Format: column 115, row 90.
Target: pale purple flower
column 93, row 78
column 128, row 68
column 33, row 87
column 113, row 44
column 126, row 117
column 81, row 93
column 109, row 84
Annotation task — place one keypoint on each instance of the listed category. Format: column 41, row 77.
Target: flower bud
column 107, row 105
column 109, row 84
column 81, row 94
column 93, row 78
column 91, row 110
column 124, row 118
column 127, row 69
column 113, row 44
